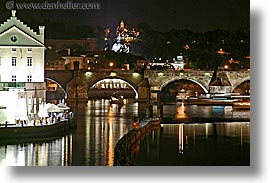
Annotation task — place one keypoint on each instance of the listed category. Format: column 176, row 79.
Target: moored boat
column 117, row 98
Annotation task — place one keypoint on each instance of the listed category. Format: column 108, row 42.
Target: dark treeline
column 65, row 30
column 198, row 48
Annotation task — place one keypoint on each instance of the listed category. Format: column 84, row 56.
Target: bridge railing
column 110, row 70
column 154, row 73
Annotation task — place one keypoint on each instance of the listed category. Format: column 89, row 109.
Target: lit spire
column 121, row 24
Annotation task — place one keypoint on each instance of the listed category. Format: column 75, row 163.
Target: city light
column 113, row 74
column 135, row 74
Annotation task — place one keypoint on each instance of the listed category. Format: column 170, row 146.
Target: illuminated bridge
column 77, row 83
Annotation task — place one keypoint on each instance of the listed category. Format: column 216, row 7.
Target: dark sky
column 162, row 15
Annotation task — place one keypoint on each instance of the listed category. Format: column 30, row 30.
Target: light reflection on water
column 55, row 153
column 104, row 124
column 180, row 111
column 101, row 125
column 196, row 144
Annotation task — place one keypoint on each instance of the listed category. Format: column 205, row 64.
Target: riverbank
column 24, row 134
column 124, row 147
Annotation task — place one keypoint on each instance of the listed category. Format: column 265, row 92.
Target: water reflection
column 56, row 153
column 104, row 124
column 101, row 125
column 197, row 144
column 181, row 111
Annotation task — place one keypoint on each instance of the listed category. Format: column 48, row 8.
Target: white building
column 22, row 85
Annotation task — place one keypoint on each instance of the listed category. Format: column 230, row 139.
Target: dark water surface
column 196, row 144
column 101, row 125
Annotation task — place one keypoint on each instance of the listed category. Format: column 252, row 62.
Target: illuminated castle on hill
column 124, row 38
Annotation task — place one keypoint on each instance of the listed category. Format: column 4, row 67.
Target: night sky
column 162, row 15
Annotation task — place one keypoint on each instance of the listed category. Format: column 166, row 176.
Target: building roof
column 52, row 55
column 14, row 23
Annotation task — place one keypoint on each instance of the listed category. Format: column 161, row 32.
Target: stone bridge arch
column 236, row 78
column 63, row 88
column 201, row 84
column 132, row 85
column 240, row 82
column 131, row 77
column 158, row 79
column 61, row 76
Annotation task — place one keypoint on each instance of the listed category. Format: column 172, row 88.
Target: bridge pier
column 152, row 101
column 77, row 89
column 160, row 110
column 160, row 105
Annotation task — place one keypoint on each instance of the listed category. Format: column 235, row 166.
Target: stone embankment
column 125, row 145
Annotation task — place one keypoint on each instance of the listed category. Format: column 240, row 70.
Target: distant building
column 70, row 59
column 22, row 86
column 61, row 54
column 53, row 61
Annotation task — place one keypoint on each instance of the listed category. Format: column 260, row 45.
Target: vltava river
column 101, row 125
column 196, row 144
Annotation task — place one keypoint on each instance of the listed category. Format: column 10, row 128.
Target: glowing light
column 222, row 52
column 186, row 47
column 160, row 74
column 111, row 64
column 135, row 74
column 206, row 130
column 112, row 74
column 110, row 137
column 181, row 140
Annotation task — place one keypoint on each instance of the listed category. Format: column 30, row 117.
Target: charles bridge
column 77, row 83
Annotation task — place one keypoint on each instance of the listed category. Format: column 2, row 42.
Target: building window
column 13, row 61
column 13, row 78
column 13, row 49
column 29, row 50
column 29, row 78
column 29, row 61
